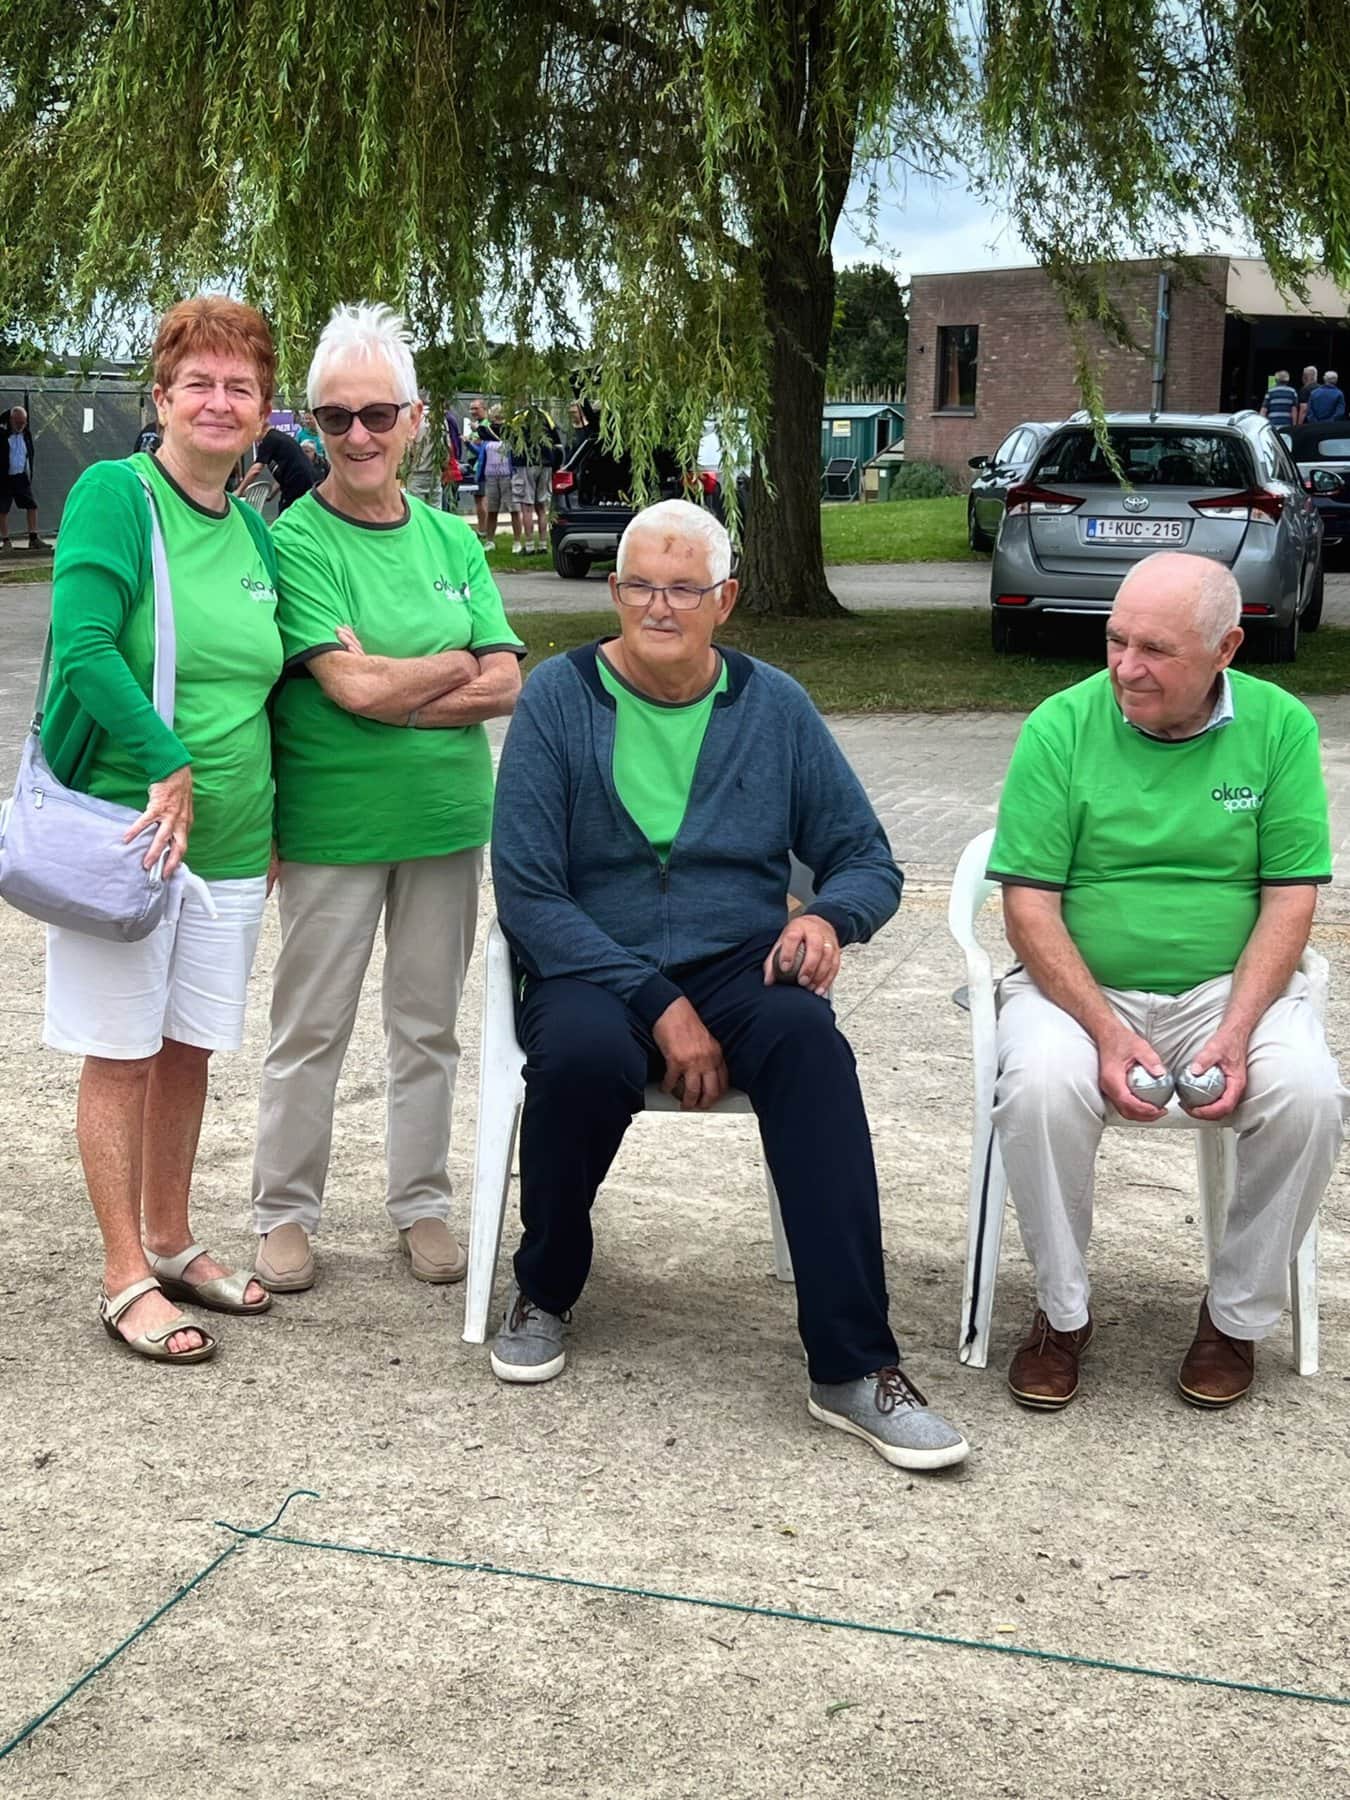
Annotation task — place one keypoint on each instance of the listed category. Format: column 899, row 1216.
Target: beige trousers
column 1050, row 1115
column 329, row 916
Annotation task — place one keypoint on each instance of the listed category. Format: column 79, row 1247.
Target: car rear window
column 1150, row 457
column 1312, row 444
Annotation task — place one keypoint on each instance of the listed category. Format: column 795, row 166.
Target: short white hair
column 364, row 332
column 1216, row 598
column 681, row 518
column 1331, row 375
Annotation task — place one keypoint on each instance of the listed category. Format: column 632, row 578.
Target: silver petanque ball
column 1200, row 1090
column 1155, row 1089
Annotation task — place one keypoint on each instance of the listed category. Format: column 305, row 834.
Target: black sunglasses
column 381, row 415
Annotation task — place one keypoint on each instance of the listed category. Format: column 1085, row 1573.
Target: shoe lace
column 524, row 1310
column 894, row 1388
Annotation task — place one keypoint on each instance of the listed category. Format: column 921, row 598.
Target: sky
column 932, row 228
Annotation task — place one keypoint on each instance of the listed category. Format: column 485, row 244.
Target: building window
column 958, row 348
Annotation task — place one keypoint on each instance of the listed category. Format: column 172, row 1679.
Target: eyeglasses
column 380, row 415
column 681, row 597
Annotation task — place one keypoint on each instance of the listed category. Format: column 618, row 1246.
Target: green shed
column 860, row 429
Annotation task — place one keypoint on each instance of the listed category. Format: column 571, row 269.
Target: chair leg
column 782, row 1257
column 497, row 1128
column 984, row 1240
column 1303, row 1302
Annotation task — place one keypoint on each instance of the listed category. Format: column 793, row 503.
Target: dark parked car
column 1216, row 484
column 1322, row 453
column 995, row 474
column 593, row 501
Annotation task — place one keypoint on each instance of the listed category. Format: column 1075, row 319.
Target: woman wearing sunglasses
column 397, row 650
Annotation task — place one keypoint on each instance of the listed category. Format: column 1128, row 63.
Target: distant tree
column 871, row 330
column 655, row 181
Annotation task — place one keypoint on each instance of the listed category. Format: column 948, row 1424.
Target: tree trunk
column 784, row 565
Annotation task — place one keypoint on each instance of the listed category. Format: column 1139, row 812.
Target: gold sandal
column 153, row 1345
column 223, row 1293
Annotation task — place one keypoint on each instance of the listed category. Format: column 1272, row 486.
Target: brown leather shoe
column 1216, row 1370
column 1044, row 1373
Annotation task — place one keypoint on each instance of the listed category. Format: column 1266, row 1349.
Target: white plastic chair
column 1215, row 1145
column 256, row 494
column 501, row 1094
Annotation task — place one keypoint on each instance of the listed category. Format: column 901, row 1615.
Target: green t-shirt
column 656, row 746
column 222, row 574
column 353, row 790
column 1161, row 848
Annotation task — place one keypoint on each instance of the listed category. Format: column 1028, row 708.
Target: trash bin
column 885, row 474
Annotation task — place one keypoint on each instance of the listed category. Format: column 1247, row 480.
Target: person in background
column 16, row 479
column 494, row 476
column 147, row 1017
column 1326, row 401
column 536, row 450
column 476, row 433
column 308, row 437
column 1281, row 403
column 277, row 457
column 1306, row 386
column 426, row 458
column 148, row 438
column 397, row 651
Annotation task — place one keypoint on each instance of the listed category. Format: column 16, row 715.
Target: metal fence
column 73, row 424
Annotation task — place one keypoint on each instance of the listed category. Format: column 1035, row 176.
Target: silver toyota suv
column 1217, row 484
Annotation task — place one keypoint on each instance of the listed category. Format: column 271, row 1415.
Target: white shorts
column 186, row 981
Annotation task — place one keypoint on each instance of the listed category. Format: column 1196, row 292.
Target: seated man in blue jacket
column 651, row 791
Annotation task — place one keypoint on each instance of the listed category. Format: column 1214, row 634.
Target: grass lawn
column 936, row 660
column 22, row 573
column 898, row 531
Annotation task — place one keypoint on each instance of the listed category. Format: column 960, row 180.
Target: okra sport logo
column 1238, row 799
column 457, row 590
column 260, row 591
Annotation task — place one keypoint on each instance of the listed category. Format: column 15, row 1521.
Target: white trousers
column 1050, row 1114
column 329, row 916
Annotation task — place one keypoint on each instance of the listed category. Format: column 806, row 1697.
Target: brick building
column 989, row 349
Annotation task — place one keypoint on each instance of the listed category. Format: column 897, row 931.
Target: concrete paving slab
column 675, row 1454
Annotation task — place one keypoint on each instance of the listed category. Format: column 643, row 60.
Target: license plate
column 1135, row 531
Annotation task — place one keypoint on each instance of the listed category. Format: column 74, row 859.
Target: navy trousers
column 587, row 1060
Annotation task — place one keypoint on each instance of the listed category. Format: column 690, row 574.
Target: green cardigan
column 101, row 572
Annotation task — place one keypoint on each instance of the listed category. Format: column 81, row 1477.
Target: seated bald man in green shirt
column 1161, row 836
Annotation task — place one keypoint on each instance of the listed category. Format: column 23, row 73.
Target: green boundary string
column 243, row 1535
column 145, row 1624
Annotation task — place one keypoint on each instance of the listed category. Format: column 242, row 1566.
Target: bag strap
column 166, row 643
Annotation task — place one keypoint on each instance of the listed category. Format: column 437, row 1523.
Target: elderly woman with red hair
column 146, row 1016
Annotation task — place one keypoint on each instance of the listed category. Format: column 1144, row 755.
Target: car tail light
column 1251, row 503
column 1026, row 497
column 562, row 480
column 708, row 481
column 1255, row 606
column 1013, row 600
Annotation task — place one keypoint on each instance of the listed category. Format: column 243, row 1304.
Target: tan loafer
column 434, row 1253
column 285, row 1263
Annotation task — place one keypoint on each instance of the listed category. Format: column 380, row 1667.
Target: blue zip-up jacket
column 581, row 892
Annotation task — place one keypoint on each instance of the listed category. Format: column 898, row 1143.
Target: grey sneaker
column 529, row 1345
column 888, row 1412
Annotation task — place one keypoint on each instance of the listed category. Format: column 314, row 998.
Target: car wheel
column 1312, row 612
column 978, row 539
column 1011, row 637
column 1276, row 643
column 572, row 565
